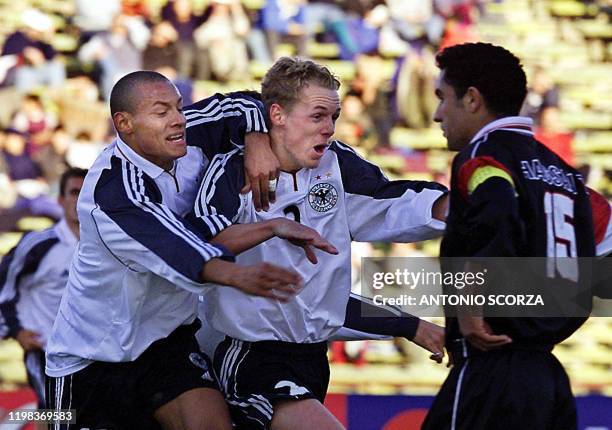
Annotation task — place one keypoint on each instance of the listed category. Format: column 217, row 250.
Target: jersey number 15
column 561, row 237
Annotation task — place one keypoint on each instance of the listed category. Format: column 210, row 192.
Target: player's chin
column 179, row 151
column 312, row 163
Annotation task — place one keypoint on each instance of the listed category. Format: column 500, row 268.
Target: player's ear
column 277, row 114
column 123, row 122
column 473, row 99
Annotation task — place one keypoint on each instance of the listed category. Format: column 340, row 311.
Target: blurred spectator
column 257, row 41
column 416, row 21
column 20, row 165
column 35, row 122
column 83, row 151
column 456, row 33
column 179, row 14
column 285, row 20
column 354, row 125
column 460, row 18
column 52, row 158
column 136, row 18
column 414, row 95
column 114, row 52
column 223, row 35
column 375, row 90
column 95, row 16
column 351, row 23
column 162, row 49
column 182, row 83
column 82, row 87
column 542, row 93
column 135, row 8
column 34, row 59
column 8, row 196
column 25, row 174
column 552, row 134
column 328, row 16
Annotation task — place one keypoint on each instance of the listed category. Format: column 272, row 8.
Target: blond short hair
column 287, row 76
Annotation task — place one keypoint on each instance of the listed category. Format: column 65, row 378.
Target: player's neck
column 286, row 161
column 74, row 228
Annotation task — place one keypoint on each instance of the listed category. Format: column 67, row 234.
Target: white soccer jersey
column 33, row 276
column 345, row 198
column 139, row 262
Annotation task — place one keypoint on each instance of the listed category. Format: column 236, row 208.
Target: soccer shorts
column 255, row 375
column 117, row 396
column 505, row 389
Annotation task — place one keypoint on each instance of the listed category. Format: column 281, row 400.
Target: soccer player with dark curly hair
column 510, row 197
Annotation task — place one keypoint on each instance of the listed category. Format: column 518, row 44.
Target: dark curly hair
column 493, row 70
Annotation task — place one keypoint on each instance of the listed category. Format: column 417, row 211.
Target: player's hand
column 263, row 279
column 303, row 236
column 267, row 280
column 29, row 340
column 476, row 331
column 431, row 337
column 439, row 209
column 261, row 166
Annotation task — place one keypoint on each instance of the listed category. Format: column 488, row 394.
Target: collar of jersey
column 127, row 153
column 520, row 124
column 64, row 233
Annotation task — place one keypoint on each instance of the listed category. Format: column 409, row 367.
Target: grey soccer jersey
column 345, row 198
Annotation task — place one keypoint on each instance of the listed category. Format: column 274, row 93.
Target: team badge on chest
column 322, row 197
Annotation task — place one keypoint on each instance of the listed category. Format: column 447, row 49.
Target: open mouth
column 176, row 138
column 320, row 149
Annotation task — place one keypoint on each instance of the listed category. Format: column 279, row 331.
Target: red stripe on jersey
column 467, row 170
column 601, row 214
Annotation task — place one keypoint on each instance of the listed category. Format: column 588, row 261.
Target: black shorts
column 125, row 395
column 506, row 389
column 255, row 375
column 35, row 368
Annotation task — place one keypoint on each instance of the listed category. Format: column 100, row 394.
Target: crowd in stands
column 60, row 59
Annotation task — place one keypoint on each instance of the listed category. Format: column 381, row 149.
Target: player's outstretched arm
column 365, row 316
column 263, row 279
column 384, row 210
column 240, row 237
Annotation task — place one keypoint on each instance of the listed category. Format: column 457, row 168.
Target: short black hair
column 72, row 172
column 493, row 70
column 123, row 95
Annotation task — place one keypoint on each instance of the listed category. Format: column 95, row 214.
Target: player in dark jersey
column 510, row 197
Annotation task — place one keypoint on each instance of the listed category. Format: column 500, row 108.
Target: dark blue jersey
column 513, row 197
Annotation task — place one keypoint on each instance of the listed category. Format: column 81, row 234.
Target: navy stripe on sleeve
column 218, row 124
column 361, row 177
column 132, row 201
column 218, row 201
column 363, row 315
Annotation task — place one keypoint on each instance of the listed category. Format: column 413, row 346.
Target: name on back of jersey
column 534, row 170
